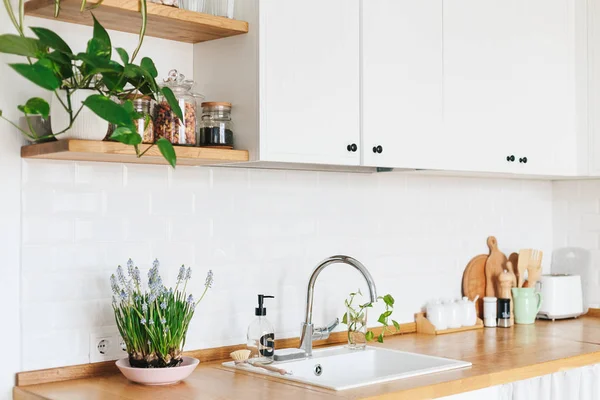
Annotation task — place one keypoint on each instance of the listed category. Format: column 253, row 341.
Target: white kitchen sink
column 340, row 368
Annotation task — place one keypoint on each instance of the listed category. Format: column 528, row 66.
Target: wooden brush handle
column 271, row 368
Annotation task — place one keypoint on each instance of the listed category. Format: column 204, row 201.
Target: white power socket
column 106, row 345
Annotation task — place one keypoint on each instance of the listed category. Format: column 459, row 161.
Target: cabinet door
column 479, row 81
column 402, row 84
column 309, row 81
column 547, row 87
column 509, row 84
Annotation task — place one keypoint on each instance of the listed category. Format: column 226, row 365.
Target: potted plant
column 356, row 319
column 85, row 85
column 153, row 323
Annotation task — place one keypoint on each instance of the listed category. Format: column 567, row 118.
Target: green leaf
column 396, row 325
column 345, row 319
column 21, row 46
column 387, row 314
column 382, row 319
column 38, row 74
column 62, row 63
column 123, row 54
column 52, row 40
column 125, row 135
column 380, row 338
column 148, row 65
column 36, row 106
column 167, row 150
column 168, row 93
column 107, row 109
column 101, row 39
column 389, row 300
column 369, row 336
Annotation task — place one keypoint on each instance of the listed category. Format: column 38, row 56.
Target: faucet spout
column 308, row 329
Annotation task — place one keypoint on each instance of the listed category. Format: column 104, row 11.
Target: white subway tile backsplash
column 260, row 231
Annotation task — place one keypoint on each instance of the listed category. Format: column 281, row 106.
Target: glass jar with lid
column 144, row 125
column 166, row 123
column 216, row 128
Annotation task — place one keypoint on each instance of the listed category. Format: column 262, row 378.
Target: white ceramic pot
column 87, row 125
column 158, row 376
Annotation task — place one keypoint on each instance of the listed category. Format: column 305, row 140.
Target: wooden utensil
column 474, row 281
column 494, row 266
column 534, row 268
column 522, row 265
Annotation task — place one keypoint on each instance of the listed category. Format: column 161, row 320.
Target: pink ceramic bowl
column 158, row 376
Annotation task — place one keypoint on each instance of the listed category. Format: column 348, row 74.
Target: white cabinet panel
column 402, row 84
column 479, row 81
column 509, row 84
column 309, row 81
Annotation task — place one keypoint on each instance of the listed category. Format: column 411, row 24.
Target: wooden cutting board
column 494, row 266
column 474, row 281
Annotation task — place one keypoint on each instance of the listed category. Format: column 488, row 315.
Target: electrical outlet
column 106, row 345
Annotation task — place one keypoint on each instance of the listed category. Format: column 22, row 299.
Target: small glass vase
column 357, row 328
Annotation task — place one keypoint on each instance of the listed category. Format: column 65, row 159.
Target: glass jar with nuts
column 166, row 123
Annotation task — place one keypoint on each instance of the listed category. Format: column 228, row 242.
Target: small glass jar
column 144, row 125
column 220, row 8
column 216, row 128
column 166, row 123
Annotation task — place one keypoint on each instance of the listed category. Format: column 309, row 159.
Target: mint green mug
column 527, row 303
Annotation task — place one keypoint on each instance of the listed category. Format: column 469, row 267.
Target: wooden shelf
column 90, row 150
column 123, row 15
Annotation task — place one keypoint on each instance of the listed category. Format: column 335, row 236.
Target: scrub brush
column 240, row 357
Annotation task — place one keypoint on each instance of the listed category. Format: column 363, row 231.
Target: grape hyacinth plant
column 153, row 323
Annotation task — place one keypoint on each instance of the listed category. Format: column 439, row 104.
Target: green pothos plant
column 52, row 65
column 356, row 317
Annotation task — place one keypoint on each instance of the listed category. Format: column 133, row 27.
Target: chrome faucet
column 309, row 332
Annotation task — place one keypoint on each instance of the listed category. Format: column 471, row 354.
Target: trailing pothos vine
column 356, row 316
column 52, row 65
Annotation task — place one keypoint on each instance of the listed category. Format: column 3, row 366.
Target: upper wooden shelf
column 163, row 21
column 90, row 150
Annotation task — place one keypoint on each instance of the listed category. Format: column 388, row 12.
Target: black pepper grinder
column 504, row 313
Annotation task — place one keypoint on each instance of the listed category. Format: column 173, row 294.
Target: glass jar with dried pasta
column 166, row 122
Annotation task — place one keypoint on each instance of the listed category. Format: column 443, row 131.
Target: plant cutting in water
column 356, row 319
column 153, row 323
column 53, row 66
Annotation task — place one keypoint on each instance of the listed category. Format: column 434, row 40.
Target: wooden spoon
column 522, row 265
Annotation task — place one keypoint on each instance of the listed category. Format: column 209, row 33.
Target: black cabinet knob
column 523, row 160
column 352, row 147
column 510, row 158
column 377, row 149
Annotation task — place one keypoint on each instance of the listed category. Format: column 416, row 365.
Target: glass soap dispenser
column 261, row 335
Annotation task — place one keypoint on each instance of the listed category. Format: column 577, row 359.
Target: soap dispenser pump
column 261, row 335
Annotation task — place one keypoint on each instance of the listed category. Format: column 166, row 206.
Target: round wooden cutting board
column 474, row 281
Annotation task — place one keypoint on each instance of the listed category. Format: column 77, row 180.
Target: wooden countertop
column 498, row 355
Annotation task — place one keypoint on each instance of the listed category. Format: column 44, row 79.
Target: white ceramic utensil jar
column 469, row 314
column 436, row 315
column 490, row 312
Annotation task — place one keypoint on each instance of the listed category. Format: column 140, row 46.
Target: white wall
column 576, row 214
column 15, row 90
column 261, row 232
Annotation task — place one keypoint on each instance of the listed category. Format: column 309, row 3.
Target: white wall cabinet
column 455, row 85
column 402, row 84
column 309, row 81
column 509, row 84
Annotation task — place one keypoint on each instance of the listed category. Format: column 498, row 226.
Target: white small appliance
column 562, row 296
